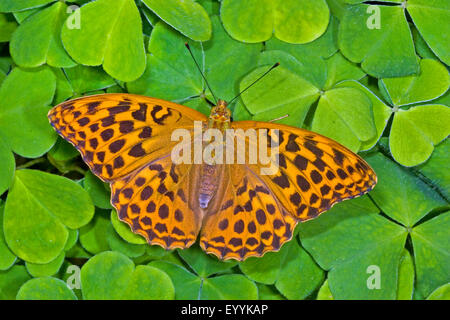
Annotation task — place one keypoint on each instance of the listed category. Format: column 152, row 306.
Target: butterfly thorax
column 220, row 116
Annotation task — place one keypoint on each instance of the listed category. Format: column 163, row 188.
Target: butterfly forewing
column 314, row 173
column 119, row 133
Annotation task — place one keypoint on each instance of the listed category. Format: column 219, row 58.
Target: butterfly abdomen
column 208, row 184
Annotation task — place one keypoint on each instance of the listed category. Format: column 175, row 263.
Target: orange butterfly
column 125, row 139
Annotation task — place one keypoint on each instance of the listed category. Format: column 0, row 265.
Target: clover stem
column 30, row 163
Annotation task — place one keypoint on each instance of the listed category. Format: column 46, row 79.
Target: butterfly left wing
column 119, row 133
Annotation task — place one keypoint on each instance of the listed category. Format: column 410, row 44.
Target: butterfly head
column 220, row 113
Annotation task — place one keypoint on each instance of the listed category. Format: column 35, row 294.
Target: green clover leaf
column 47, row 288
column 11, row 280
column 387, row 51
column 7, row 258
column 416, row 131
column 188, row 17
column 23, row 117
column 8, row 165
column 14, row 5
column 37, row 40
column 44, row 204
column 293, row 272
column 7, row 27
column 430, row 240
column 290, row 21
column 204, row 265
column 191, row 286
column 111, row 276
column 109, row 35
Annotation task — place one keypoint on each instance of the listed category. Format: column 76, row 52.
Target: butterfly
column 125, row 139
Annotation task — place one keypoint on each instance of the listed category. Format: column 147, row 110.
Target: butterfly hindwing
column 158, row 203
column 248, row 220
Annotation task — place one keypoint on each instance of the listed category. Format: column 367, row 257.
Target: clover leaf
column 23, row 117
column 430, row 18
column 111, row 275
column 14, row 5
column 47, row 288
column 44, row 204
column 430, row 240
column 293, row 272
column 432, row 169
column 290, row 21
column 441, row 293
column 92, row 235
column 412, row 199
column 432, row 82
column 188, row 17
column 387, row 51
column 282, row 92
column 7, row 258
column 204, row 265
column 345, row 123
column 8, row 165
column 116, row 243
column 98, row 190
column 191, row 286
column 47, row 269
column 417, row 130
column 371, row 242
column 288, row 95
column 405, row 277
column 171, row 72
column 324, row 292
column 109, row 35
column 425, row 126
column 11, row 280
column 84, row 79
column 381, row 112
column 37, row 40
column 7, row 27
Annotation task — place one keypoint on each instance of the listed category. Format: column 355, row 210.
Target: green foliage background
column 382, row 92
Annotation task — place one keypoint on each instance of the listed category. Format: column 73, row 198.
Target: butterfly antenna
column 249, row 86
column 200, row 70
